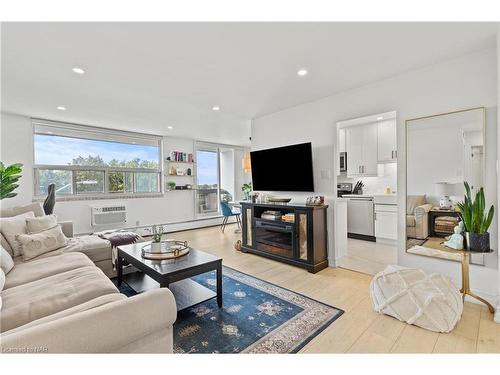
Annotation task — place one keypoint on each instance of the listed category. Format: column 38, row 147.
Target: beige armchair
column 417, row 218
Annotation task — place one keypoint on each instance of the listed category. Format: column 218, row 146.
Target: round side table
column 465, row 255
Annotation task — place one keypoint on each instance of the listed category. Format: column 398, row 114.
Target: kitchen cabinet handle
column 392, row 154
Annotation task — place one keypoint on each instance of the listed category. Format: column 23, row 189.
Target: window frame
column 106, row 194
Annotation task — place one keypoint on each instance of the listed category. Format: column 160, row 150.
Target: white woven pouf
column 429, row 301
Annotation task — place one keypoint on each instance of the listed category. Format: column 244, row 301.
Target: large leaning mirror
column 443, row 151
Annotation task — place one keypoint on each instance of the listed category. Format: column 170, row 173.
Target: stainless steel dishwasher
column 360, row 218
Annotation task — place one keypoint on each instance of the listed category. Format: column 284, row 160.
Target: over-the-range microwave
column 343, row 161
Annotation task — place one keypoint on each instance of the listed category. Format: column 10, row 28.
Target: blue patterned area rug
column 257, row 317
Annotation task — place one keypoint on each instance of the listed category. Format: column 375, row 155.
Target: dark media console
column 302, row 242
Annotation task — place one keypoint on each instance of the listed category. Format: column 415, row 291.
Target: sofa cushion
column 412, row 202
column 41, row 268
column 33, row 245
column 94, row 247
column 6, row 262
column 36, row 208
column 25, row 303
column 39, row 224
column 2, row 283
column 13, row 226
column 96, row 302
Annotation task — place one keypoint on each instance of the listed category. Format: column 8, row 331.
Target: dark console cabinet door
column 302, row 242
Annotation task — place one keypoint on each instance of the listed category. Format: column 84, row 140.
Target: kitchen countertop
column 377, row 198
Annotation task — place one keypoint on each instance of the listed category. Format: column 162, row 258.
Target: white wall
column 466, row 82
column 174, row 208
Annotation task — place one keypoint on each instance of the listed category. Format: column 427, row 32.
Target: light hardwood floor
column 359, row 329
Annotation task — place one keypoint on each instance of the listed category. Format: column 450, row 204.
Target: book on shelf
column 181, row 156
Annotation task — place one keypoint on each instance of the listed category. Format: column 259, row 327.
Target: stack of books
column 181, row 156
column 271, row 215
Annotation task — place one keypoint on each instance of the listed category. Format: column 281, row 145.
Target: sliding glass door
column 208, row 177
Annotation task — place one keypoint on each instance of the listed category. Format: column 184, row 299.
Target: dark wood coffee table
column 174, row 274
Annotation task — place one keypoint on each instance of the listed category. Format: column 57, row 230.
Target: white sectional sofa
column 63, row 301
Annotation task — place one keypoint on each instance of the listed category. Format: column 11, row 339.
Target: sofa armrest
column 142, row 323
column 422, row 210
column 67, row 228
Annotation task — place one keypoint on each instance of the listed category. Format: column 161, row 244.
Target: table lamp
column 444, row 190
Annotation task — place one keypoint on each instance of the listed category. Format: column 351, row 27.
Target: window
column 88, row 161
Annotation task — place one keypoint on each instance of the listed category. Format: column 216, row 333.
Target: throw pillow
column 39, row 224
column 11, row 227
column 6, row 262
column 33, row 245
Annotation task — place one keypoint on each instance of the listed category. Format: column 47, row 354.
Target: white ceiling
column 147, row 76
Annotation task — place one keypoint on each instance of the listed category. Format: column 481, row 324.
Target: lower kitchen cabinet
column 386, row 221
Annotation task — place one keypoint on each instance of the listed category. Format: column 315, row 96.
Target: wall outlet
column 137, row 223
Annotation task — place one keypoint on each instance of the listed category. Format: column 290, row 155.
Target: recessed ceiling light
column 380, row 118
column 302, row 72
column 215, row 108
column 61, row 107
column 78, row 70
column 170, row 127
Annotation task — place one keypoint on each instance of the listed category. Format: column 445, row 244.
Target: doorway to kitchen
column 366, row 189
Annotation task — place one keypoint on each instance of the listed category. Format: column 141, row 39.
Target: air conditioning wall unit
column 108, row 215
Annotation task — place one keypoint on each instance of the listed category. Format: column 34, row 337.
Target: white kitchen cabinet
column 341, row 139
column 387, row 142
column 361, row 148
column 386, row 221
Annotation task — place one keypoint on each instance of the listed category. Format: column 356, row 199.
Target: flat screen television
column 286, row 168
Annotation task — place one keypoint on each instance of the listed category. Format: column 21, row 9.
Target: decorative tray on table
column 169, row 249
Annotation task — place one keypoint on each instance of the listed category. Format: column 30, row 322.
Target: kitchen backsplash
column 387, row 177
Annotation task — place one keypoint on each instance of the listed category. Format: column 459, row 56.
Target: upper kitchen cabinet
column 341, row 140
column 387, row 143
column 361, row 148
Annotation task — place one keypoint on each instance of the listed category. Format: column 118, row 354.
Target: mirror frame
column 480, row 260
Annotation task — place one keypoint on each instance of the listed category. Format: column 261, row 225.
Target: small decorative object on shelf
column 237, row 245
column 247, row 190
column 456, row 240
column 171, row 185
column 188, row 171
column 278, row 199
column 157, row 231
column 50, row 201
column 476, row 222
column 317, row 200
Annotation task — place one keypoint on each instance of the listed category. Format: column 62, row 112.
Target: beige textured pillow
column 11, row 227
column 33, row 245
column 39, row 224
column 6, row 262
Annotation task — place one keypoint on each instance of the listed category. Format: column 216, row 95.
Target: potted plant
column 476, row 222
column 171, row 185
column 247, row 189
column 157, row 231
column 8, row 179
